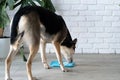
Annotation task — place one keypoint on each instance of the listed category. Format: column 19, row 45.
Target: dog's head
column 68, row 50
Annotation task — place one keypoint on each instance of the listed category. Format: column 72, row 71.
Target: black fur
column 14, row 27
column 68, row 41
column 53, row 22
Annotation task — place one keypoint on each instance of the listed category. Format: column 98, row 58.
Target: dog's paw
column 34, row 78
column 46, row 66
column 65, row 70
column 8, row 79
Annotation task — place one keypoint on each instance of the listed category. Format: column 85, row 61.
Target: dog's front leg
column 43, row 54
column 59, row 57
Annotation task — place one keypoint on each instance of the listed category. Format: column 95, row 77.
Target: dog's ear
column 74, row 41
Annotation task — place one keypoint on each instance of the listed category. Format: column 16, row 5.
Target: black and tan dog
column 35, row 25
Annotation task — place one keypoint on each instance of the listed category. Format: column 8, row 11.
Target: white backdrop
column 96, row 24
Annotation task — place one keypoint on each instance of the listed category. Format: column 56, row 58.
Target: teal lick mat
column 66, row 64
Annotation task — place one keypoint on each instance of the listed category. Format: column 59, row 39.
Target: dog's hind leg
column 8, row 61
column 59, row 56
column 12, row 52
column 33, row 50
column 43, row 54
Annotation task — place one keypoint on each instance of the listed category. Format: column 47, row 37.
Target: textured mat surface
column 66, row 64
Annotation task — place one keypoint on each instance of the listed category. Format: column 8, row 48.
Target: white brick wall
column 96, row 24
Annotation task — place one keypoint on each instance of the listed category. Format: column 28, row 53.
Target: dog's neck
column 68, row 40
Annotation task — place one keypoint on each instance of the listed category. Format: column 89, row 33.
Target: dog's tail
column 14, row 29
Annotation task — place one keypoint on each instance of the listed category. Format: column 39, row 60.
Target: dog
column 35, row 25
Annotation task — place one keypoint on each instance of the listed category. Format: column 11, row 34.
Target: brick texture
column 96, row 24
